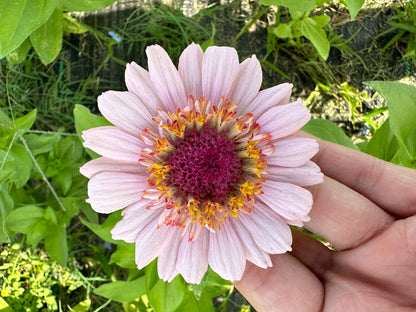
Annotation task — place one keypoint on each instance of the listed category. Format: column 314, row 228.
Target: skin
column 366, row 208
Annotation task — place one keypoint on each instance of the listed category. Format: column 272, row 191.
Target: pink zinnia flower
column 203, row 163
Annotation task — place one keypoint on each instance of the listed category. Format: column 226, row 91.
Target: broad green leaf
column 293, row 5
column 56, row 243
column 354, row 6
column 85, row 120
column 164, row 296
column 6, row 206
column 123, row 291
column 211, row 284
column 4, row 307
column 19, row 55
column 26, row 122
column 22, row 219
column 47, row 39
column 104, row 230
column 190, row 303
column 283, row 31
column 328, row 131
column 84, row 5
column 124, row 256
column 311, row 30
column 321, row 20
column 71, row 25
column 22, row 165
column 19, row 18
column 401, row 102
column 383, row 144
column 39, row 144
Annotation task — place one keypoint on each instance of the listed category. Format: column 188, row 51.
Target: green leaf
column 311, row 30
column 354, row 6
column 4, row 307
column 85, row 120
column 190, row 303
column 401, row 102
column 293, row 5
column 122, row 291
column 6, row 206
column 283, row 31
column 327, row 130
column 56, row 243
column 19, row 18
column 22, row 163
column 383, row 143
column 26, row 122
column 47, row 39
column 321, row 20
column 84, row 5
column 124, row 256
column 71, row 25
column 104, row 230
column 19, row 55
column 39, row 144
column 22, row 219
column 211, row 284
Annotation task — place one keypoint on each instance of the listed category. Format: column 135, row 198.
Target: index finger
column 391, row 187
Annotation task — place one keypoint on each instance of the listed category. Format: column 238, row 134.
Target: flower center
column 205, row 166
column 204, row 163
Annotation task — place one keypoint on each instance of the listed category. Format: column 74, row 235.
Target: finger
column 344, row 217
column 312, row 253
column 287, row 286
column 390, row 186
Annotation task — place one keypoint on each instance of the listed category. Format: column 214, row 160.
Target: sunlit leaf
column 123, row 291
column 84, row 5
column 311, row 30
column 354, row 6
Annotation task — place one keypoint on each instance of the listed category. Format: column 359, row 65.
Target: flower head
column 203, row 163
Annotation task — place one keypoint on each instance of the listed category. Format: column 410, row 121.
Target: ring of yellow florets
column 250, row 146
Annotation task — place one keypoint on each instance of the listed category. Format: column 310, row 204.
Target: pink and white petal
column 190, row 70
column 165, row 78
column 268, row 98
column 192, row 261
column 247, row 82
column 150, row 242
column 113, row 143
column 102, row 164
column 305, row 175
column 166, row 262
column 290, row 201
column 283, row 120
column 292, row 151
column 253, row 252
column 268, row 230
column 111, row 191
column 126, row 111
column 135, row 218
column 219, row 66
column 226, row 254
column 138, row 82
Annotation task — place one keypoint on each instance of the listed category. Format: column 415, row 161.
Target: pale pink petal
column 268, row 98
column 268, row 230
column 135, row 218
column 219, row 66
column 247, row 82
column 190, row 67
column 253, row 252
column 113, row 143
column 111, row 191
column 292, row 152
column 150, row 242
column 102, row 164
column 192, row 262
column 126, row 111
column 165, row 78
column 138, row 82
column 290, row 201
column 226, row 255
column 166, row 262
column 305, row 175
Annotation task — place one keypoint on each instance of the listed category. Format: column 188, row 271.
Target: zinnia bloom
column 204, row 164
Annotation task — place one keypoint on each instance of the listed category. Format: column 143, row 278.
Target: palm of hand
column 367, row 209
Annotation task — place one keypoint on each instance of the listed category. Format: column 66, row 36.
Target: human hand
column 366, row 208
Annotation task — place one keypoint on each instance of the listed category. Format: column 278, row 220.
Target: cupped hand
column 366, row 208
